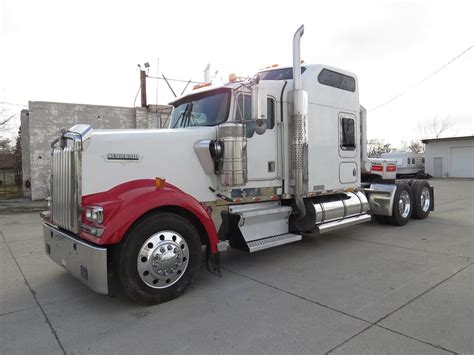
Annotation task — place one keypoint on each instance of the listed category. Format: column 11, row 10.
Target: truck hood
column 113, row 157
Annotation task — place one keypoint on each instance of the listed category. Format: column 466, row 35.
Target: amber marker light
column 160, row 183
column 199, row 86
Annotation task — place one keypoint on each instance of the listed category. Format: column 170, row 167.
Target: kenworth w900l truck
column 250, row 165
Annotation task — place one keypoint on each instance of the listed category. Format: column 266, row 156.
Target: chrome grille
column 65, row 187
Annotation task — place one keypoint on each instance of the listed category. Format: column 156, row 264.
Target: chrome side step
column 271, row 242
column 343, row 223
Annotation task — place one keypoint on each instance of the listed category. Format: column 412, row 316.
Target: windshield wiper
column 187, row 114
column 184, row 115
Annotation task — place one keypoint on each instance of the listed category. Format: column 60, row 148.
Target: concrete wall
column 25, row 152
column 43, row 121
column 152, row 117
column 443, row 149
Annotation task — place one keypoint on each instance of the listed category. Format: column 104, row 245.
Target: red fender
column 127, row 202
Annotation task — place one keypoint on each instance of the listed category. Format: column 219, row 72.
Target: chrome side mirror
column 260, row 126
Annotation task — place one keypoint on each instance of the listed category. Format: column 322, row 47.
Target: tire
column 422, row 199
column 402, row 205
column 159, row 259
column 410, row 182
column 381, row 219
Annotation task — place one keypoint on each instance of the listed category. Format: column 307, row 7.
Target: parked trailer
column 380, row 169
column 252, row 165
column 407, row 163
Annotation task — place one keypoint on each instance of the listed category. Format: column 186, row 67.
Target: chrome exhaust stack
column 298, row 107
column 365, row 163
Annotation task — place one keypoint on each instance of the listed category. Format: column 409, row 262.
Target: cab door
column 262, row 150
column 348, row 152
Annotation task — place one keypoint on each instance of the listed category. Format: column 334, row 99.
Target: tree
column 434, row 127
column 17, row 151
column 5, row 145
column 416, row 147
column 376, row 147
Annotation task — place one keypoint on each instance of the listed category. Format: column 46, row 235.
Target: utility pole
column 157, row 74
column 143, row 87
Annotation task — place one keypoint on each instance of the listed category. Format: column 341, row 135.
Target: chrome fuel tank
column 339, row 207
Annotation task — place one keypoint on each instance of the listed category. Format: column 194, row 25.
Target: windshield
column 204, row 109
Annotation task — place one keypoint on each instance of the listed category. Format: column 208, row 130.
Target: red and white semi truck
column 250, row 165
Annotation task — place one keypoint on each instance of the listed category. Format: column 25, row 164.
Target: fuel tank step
column 257, row 226
column 265, row 243
column 261, row 220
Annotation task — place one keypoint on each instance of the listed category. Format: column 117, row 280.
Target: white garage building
column 450, row 157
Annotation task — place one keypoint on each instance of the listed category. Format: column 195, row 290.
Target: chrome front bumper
column 85, row 261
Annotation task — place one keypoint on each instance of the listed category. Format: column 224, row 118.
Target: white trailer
column 381, row 169
column 408, row 163
column 252, row 165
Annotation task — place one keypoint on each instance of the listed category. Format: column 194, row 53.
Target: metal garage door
column 462, row 162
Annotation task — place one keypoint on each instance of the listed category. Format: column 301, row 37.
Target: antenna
column 207, row 73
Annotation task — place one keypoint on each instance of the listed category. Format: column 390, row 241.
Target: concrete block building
column 450, row 157
column 42, row 122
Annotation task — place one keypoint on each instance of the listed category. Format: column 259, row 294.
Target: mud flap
column 213, row 262
column 432, row 208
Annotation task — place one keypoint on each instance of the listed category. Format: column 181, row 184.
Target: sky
column 88, row 51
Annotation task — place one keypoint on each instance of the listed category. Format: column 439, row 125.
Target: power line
column 169, row 79
column 422, row 81
column 11, row 103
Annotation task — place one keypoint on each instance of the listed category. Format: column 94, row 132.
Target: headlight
column 95, row 214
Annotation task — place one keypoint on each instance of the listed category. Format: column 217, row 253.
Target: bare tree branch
column 416, row 147
column 434, row 128
column 375, row 148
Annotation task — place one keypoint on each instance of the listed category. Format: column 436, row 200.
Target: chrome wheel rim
column 163, row 259
column 404, row 204
column 425, row 199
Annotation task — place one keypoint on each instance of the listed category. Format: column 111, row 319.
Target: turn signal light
column 160, row 183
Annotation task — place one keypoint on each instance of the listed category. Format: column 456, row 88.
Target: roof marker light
column 198, row 86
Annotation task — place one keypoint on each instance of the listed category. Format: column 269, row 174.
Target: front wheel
column 402, row 205
column 159, row 258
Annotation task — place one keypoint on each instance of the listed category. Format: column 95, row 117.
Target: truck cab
column 251, row 165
